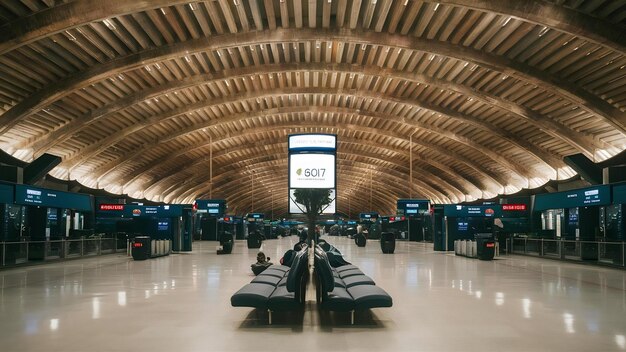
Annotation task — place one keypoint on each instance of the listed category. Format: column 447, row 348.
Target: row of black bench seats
column 346, row 288
column 282, row 288
column 277, row 288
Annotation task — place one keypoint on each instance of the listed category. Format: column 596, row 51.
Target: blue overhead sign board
column 412, row 206
column 255, row 217
column 373, row 216
column 28, row 195
column 468, row 211
column 216, row 207
column 597, row 195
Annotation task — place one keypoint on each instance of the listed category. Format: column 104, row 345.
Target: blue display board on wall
column 597, row 195
column 29, row 195
column 487, row 211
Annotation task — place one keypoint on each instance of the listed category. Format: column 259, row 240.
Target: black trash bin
column 388, row 242
column 227, row 242
column 141, row 248
column 485, row 246
column 255, row 240
column 360, row 240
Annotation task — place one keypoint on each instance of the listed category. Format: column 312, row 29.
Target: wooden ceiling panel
column 136, row 96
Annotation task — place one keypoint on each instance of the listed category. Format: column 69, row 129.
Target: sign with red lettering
column 110, row 207
column 513, row 207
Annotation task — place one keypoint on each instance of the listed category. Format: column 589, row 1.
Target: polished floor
column 441, row 303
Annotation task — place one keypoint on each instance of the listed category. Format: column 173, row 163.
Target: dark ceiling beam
column 518, row 70
column 583, row 143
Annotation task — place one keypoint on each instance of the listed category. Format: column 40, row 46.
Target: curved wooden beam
column 397, row 176
column 85, row 155
column 217, row 183
column 499, row 179
column 343, row 140
column 79, row 13
column 518, row 70
column 184, row 168
column 111, row 166
column 242, row 192
column 584, row 143
column 225, row 179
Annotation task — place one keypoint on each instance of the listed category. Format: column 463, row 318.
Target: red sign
column 137, row 244
column 514, row 207
column 109, row 207
column 490, row 245
column 226, row 219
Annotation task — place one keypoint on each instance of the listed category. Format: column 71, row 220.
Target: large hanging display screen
column 297, row 208
column 312, row 171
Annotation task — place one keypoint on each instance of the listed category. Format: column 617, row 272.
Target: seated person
column 261, row 264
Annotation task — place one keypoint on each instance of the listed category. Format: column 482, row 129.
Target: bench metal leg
column 270, row 316
column 351, row 317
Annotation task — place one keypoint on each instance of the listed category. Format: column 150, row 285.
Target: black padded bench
column 346, row 288
column 277, row 288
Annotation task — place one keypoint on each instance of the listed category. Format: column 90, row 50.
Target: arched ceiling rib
column 78, row 13
column 500, row 64
column 492, row 94
column 585, row 144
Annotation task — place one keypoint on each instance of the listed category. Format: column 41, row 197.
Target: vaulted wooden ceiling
column 175, row 100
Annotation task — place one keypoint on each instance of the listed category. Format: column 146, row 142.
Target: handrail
column 602, row 252
column 58, row 249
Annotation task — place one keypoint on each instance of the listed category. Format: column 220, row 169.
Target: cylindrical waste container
column 227, row 242
column 388, row 242
column 360, row 240
column 140, row 248
column 254, row 240
column 485, row 246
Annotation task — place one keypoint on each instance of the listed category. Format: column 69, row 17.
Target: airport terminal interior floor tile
column 441, row 303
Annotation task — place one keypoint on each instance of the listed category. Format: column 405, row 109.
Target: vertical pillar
column 211, row 167
column 370, row 189
column 410, row 165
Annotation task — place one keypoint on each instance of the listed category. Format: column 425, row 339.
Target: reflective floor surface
column 441, row 303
